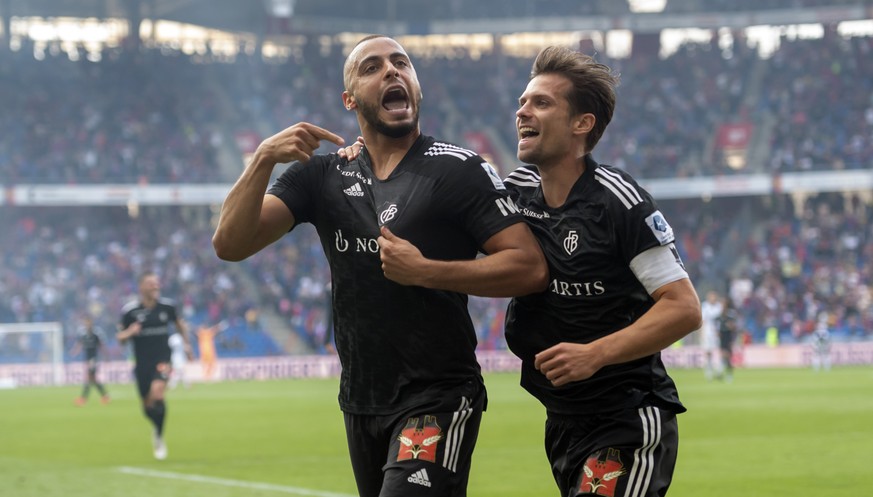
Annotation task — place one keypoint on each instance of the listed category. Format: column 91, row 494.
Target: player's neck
column 557, row 179
column 386, row 152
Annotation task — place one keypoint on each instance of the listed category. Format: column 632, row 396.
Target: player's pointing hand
column 352, row 152
column 297, row 142
column 402, row 262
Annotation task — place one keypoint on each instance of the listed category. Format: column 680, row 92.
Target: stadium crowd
column 143, row 118
column 87, row 122
column 165, row 118
column 807, row 261
column 821, row 94
column 61, row 266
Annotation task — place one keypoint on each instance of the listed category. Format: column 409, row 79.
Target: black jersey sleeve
column 480, row 199
column 126, row 318
column 171, row 310
column 521, row 182
column 637, row 222
column 299, row 186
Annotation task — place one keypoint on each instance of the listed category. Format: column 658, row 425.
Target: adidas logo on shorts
column 419, row 478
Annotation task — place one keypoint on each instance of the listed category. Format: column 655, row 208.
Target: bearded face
column 370, row 111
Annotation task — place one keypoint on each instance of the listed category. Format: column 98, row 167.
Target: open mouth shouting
column 395, row 100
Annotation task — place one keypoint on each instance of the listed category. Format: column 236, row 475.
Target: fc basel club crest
column 600, row 473
column 571, row 242
column 387, row 214
column 419, row 441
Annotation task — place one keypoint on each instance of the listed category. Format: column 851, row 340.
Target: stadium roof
column 416, row 16
column 254, row 15
column 233, row 15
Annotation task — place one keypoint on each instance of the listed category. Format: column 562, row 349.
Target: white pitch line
column 229, row 483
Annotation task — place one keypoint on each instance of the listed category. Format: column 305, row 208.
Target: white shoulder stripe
column 442, row 145
column 621, row 188
column 621, row 181
column 525, row 173
column 439, row 148
column 523, row 177
column 515, row 182
column 615, row 191
column 453, row 154
column 130, row 305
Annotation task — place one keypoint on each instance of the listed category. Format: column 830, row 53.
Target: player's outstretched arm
column 249, row 219
column 514, row 266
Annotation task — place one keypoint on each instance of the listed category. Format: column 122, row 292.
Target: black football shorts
column 424, row 451
column 626, row 453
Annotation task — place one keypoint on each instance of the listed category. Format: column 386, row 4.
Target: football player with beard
column 402, row 226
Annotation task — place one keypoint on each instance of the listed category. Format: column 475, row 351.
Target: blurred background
column 123, row 124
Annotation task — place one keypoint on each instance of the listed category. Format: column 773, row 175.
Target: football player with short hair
column 147, row 323
column 401, row 226
column 590, row 344
column 90, row 341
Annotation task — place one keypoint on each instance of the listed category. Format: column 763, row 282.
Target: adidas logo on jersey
column 419, row 478
column 354, row 191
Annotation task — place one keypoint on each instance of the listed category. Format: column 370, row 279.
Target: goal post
column 16, row 342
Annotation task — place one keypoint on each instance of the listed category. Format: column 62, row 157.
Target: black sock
column 100, row 389
column 85, row 390
column 156, row 413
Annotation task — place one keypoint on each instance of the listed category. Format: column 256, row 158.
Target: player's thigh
column 163, row 371
column 628, row 453
column 368, row 445
column 431, row 449
column 151, row 380
column 92, row 368
column 423, row 451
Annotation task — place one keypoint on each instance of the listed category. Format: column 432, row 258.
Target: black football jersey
column 150, row 346
column 91, row 342
column 589, row 243
column 399, row 345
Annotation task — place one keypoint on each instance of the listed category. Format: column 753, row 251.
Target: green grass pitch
column 769, row 433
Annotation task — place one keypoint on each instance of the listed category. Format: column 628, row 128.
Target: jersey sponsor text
column 368, row 245
column 507, row 206
column 536, row 215
column 577, row 289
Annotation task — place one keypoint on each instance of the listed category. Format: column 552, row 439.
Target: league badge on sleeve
column 662, row 231
column 492, row 174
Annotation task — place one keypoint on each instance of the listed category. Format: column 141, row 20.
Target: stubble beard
column 529, row 156
column 539, row 155
column 370, row 114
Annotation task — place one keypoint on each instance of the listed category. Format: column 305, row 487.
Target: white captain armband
column 658, row 266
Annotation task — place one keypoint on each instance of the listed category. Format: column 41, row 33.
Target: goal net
column 31, row 353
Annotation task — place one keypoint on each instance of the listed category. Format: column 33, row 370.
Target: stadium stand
column 144, row 118
column 159, row 116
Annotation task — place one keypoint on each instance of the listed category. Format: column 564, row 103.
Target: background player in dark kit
column 90, row 341
column 590, row 344
column 411, row 390
column 728, row 331
column 147, row 322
